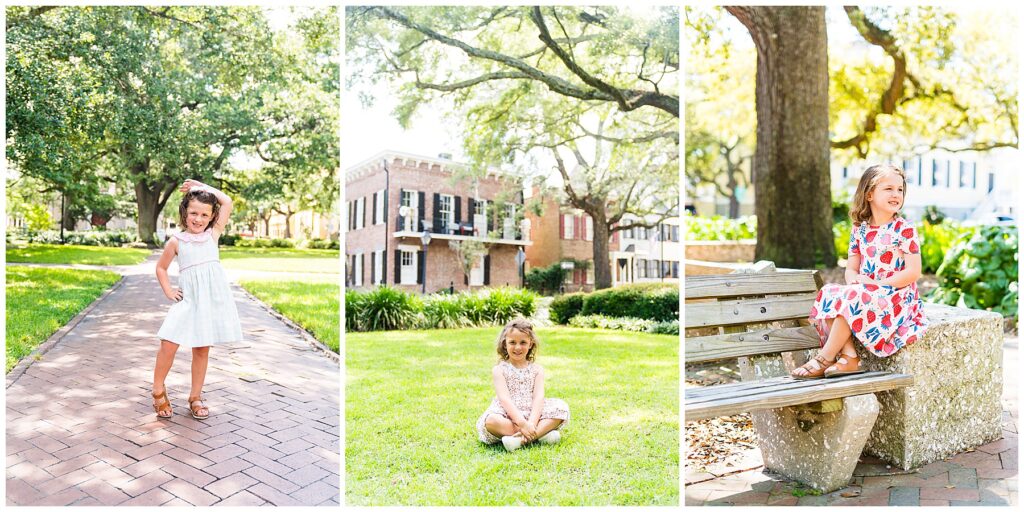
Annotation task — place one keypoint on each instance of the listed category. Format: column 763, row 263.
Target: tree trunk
column 150, row 199
column 733, row 184
column 602, row 263
column 266, row 226
column 791, row 162
column 67, row 220
column 288, row 223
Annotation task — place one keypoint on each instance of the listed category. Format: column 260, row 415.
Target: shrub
column 386, row 308
column 353, row 310
column 933, row 215
column 607, row 322
column 936, row 241
column 319, row 243
column 670, row 327
column 841, row 235
column 229, row 240
column 504, row 304
column 282, row 243
column 444, row 312
column 980, row 271
column 564, row 307
column 473, row 306
column 93, row 238
column 720, row 228
column 653, row 301
column 547, row 280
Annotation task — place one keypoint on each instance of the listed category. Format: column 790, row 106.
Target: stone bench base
column 954, row 403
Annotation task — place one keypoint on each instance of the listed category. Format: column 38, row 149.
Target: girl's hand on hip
column 175, row 295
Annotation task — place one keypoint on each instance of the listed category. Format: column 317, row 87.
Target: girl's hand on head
column 188, row 185
column 175, row 295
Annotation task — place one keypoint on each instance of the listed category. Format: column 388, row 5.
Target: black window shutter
column 351, row 216
column 458, row 210
column 437, row 213
column 398, row 266
column 421, row 267
column 487, row 270
column 363, row 199
column 465, row 279
column 471, row 214
column 374, row 207
column 384, row 268
column 422, row 208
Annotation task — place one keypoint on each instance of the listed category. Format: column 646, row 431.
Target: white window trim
column 447, row 216
column 358, row 270
column 568, row 222
column 589, row 233
column 361, row 213
column 379, row 214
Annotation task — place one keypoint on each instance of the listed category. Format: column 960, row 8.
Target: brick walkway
column 81, row 429
column 985, row 476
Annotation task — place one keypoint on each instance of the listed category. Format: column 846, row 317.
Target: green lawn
column 80, row 254
column 412, row 400
column 281, row 259
column 314, row 306
column 42, row 300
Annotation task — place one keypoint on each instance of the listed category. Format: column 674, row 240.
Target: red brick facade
column 443, row 205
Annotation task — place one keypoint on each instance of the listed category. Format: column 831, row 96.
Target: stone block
column 954, row 403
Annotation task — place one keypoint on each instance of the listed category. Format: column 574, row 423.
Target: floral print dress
column 520, row 388
column 883, row 318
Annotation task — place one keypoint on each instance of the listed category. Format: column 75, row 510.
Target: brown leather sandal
column 815, row 368
column 843, row 366
column 198, row 408
column 161, row 403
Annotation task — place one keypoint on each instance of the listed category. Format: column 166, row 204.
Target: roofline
column 360, row 169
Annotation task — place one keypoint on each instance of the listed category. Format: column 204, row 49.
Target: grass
column 412, row 400
column 41, row 300
column 314, row 306
column 323, row 261
column 80, row 254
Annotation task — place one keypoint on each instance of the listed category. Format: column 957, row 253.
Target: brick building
column 393, row 198
column 563, row 233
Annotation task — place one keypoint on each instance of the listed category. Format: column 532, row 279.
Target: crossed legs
column 499, row 426
column 840, row 340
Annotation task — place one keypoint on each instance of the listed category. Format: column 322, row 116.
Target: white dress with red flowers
column 883, row 318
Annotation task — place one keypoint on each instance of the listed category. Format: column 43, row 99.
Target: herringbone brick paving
column 81, row 429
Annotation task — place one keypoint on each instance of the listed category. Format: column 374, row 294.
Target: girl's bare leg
column 547, row 425
column 499, row 425
column 839, row 334
column 164, row 361
column 200, row 360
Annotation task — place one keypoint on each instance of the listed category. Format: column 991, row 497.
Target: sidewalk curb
column 56, row 337
column 315, row 343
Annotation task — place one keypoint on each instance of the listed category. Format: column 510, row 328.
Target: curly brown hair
column 524, row 326
column 860, row 211
column 203, row 196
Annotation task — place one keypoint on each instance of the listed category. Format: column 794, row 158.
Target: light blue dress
column 206, row 315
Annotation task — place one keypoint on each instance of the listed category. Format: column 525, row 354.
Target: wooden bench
column 812, row 431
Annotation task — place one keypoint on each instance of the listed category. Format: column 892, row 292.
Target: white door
column 509, row 225
column 476, row 273
column 408, row 272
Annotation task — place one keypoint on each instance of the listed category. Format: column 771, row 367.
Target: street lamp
column 426, row 241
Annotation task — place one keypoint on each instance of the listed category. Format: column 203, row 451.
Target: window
column 675, row 233
column 378, row 267
column 974, row 175
column 641, row 268
column 935, row 173
column 627, row 234
column 963, row 174
column 590, row 274
column 410, row 198
column 949, row 182
column 567, row 227
column 675, row 269
column 509, row 223
column 447, row 209
column 641, row 233
column 589, row 234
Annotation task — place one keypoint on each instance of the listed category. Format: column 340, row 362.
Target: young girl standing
column 204, row 312
column 520, row 414
column 879, row 306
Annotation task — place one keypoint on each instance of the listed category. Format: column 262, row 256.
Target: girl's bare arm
column 852, row 273
column 909, row 274
column 221, row 222
column 170, row 250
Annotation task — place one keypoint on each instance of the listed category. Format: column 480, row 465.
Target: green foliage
column 608, row 322
column 980, row 271
column 547, row 280
column 444, row 312
column 841, row 235
column 669, row 327
column 937, row 240
column 80, row 254
column 648, row 301
column 353, row 310
column 503, row 304
column 386, row 309
column 566, row 306
column 318, row 243
column 227, row 240
column 264, row 243
column 116, row 238
column 720, row 228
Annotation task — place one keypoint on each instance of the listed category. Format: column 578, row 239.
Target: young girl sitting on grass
column 879, row 306
column 520, row 414
column 204, row 312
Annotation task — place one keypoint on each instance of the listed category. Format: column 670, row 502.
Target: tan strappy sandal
column 197, row 408
column 843, row 366
column 815, row 368
column 162, row 403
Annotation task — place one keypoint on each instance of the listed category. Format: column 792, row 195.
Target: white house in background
column 964, row 186
column 970, row 185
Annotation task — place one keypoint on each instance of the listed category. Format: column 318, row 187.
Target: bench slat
column 786, row 393
column 746, row 311
column 738, row 285
column 701, row 349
